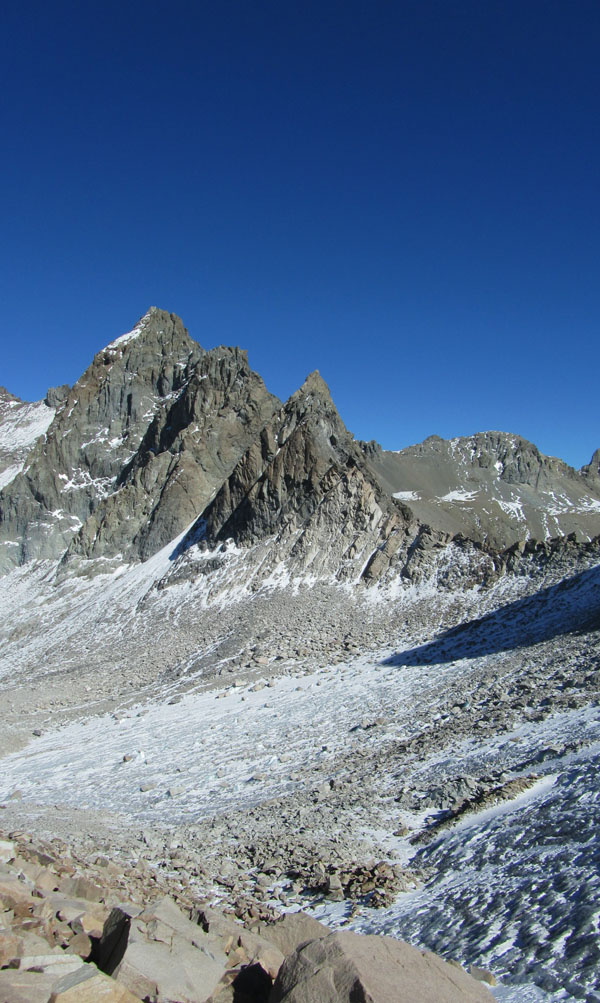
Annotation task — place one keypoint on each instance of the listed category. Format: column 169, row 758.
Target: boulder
column 57, row 963
column 7, row 851
column 90, row 986
column 168, row 957
column 346, row 967
column 11, row 947
column 15, row 893
column 25, row 987
column 81, row 945
column 253, row 947
column 291, row 930
column 82, row 887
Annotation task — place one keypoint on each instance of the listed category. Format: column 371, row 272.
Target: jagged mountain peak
column 592, row 469
column 313, row 394
column 301, row 495
column 159, row 434
column 98, row 426
column 160, row 329
column 314, row 384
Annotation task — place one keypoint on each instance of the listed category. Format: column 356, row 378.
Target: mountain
column 137, row 447
column 302, row 495
column 159, row 435
column 492, row 487
column 289, row 668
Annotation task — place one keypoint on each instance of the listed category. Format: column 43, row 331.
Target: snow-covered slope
column 367, row 745
column 21, row 424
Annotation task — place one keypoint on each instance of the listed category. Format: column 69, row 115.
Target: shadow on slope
column 571, row 606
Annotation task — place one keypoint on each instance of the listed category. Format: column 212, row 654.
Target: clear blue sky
column 404, row 195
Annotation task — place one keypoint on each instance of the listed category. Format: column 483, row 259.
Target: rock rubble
column 71, row 932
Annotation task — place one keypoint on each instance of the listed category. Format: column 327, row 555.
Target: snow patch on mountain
column 406, row 495
column 22, row 424
column 129, row 336
column 459, row 495
column 9, row 473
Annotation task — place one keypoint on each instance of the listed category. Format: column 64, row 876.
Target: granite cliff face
column 136, row 449
column 20, row 425
column 95, row 433
column 304, row 490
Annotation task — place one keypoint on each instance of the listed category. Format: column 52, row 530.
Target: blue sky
column 403, row 195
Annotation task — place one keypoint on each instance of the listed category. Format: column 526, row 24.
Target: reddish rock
column 345, row 967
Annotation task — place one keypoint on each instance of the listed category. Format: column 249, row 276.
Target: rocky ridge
column 303, row 476
column 160, row 435
column 494, row 488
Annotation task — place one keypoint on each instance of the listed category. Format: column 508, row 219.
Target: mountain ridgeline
column 162, row 443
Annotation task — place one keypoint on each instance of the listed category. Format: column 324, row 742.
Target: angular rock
column 167, row 957
column 291, row 930
column 109, row 948
column 57, row 964
column 81, row 945
column 347, row 967
column 7, row 851
column 88, row 985
column 11, row 946
column 25, row 987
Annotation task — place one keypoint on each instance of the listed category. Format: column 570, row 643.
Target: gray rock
column 25, row 987
column 478, row 485
column 305, row 482
column 57, row 396
column 130, row 440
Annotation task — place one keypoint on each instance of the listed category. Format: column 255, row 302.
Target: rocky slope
column 492, row 487
column 81, row 931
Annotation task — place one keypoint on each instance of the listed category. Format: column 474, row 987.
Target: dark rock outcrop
column 304, row 485
column 141, row 443
column 592, row 470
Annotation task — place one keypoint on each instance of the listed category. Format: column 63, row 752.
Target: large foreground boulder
column 351, row 968
column 293, row 929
